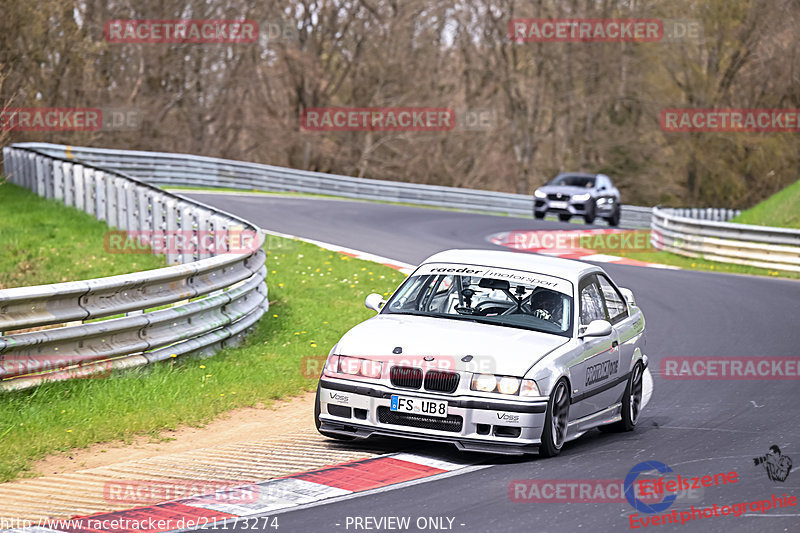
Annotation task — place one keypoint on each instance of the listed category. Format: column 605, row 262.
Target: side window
column 615, row 303
column 591, row 302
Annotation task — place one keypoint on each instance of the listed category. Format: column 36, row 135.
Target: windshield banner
column 518, row 276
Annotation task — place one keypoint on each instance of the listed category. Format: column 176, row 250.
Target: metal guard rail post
column 684, row 232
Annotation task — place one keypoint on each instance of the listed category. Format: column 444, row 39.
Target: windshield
column 574, row 181
column 488, row 295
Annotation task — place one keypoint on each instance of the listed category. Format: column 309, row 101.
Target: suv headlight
column 354, row 366
column 539, row 194
column 504, row 385
column 581, row 197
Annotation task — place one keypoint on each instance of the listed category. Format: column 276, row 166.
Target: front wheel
column 555, row 422
column 588, row 217
column 614, row 219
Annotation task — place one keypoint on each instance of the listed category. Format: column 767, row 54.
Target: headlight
column 355, row 366
column 581, row 197
column 484, row 382
column 539, row 194
column 504, row 385
column 507, row 385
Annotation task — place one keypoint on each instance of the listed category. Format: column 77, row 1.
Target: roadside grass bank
column 782, row 209
column 44, row 241
column 315, row 296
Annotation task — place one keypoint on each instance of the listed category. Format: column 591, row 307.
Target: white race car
column 493, row 351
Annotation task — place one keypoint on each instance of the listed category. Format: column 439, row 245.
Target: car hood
column 494, row 349
column 564, row 189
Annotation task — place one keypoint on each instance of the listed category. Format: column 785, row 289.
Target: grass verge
column 315, row 297
column 43, row 241
column 782, row 209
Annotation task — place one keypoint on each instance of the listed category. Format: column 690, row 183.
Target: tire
column 589, row 216
column 613, row 220
column 555, row 422
column 631, row 402
column 564, row 218
column 317, row 422
column 538, row 215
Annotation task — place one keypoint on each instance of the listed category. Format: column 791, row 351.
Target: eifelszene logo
column 777, row 465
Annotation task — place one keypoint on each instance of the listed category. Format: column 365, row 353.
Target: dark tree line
column 541, row 107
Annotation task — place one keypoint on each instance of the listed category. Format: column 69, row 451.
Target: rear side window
column 615, row 303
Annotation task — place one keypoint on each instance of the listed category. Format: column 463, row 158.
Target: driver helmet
column 547, row 305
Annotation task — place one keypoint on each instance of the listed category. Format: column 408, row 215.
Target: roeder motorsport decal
column 600, row 371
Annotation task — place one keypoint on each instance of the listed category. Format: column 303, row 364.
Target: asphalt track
column 697, row 427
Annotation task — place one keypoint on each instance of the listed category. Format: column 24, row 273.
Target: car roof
column 540, row 264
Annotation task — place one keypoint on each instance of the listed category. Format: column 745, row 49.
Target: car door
column 598, row 361
column 626, row 326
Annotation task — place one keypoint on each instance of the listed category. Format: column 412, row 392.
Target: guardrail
column 759, row 246
column 227, row 288
column 200, row 171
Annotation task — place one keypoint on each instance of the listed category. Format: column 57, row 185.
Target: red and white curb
column 560, row 243
column 280, row 494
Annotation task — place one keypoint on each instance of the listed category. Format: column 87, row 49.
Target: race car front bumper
column 473, row 423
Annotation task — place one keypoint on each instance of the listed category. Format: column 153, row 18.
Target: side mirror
column 596, row 328
column 374, row 301
column 628, row 295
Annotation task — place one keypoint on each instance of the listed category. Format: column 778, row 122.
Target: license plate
column 419, row 406
column 558, row 205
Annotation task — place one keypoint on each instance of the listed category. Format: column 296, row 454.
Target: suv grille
column 406, row 377
column 439, row 381
column 451, row 423
column 557, row 196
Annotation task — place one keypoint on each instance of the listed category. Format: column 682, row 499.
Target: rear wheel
column 317, row 422
column 555, row 422
column 631, row 402
column 564, row 217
